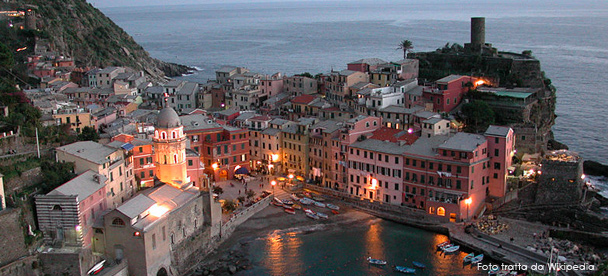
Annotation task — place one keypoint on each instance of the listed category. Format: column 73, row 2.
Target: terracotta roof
column 303, row 99
column 394, row 135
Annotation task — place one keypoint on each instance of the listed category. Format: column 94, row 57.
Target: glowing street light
column 214, row 166
column 468, row 202
column 273, row 183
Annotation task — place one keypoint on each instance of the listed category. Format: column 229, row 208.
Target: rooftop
column 89, row 150
column 303, row 99
column 369, row 61
column 83, row 185
column 463, row 142
column 498, row 131
column 198, row 122
column 380, row 146
column 449, row 78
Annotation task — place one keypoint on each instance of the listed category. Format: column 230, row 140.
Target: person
column 239, row 191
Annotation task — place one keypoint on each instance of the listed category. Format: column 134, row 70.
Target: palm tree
column 405, row 45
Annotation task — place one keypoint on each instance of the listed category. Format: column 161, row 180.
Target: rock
column 232, row 269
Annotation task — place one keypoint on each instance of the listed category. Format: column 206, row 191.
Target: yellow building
column 170, row 149
column 295, row 146
column 77, row 119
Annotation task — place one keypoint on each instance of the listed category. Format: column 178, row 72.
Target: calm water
column 568, row 38
column 343, row 251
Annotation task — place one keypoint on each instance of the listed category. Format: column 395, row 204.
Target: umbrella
column 281, row 179
column 241, row 170
column 301, row 178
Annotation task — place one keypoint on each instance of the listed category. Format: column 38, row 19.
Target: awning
column 127, row 146
column 241, row 170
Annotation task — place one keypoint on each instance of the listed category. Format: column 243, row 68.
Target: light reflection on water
column 343, row 250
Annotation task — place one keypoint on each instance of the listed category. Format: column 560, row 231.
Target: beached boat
column 312, row 215
column 277, row 202
column 307, row 194
column 306, row 201
column 496, row 272
column 295, row 197
column 290, row 211
column 306, row 210
column 477, row 259
column 334, row 212
column 333, row 207
column 445, row 246
column 297, row 206
column 322, row 215
column 287, row 202
column 441, row 245
column 405, row 269
column 452, row 249
column 418, row 265
column 318, row 198
column 375, row 261
column 319, row 204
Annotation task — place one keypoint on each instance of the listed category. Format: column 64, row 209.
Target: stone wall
column 193, row 250
column 12, row 241
column 23, row 267
column 27, row 178
column 560, row 182
column 67, row 261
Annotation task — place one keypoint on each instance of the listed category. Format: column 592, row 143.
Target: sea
column 568, row 37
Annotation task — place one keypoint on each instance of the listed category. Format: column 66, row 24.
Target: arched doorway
column 223, row 175
column 162, row 272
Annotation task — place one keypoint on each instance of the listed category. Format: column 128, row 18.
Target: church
column 150, row 229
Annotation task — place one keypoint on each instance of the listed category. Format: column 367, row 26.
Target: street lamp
column 468, row 202
column 272, row 183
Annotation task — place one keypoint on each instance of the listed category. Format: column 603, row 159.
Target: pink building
column 67, row 213
column 501, row 142
column 446, row 93
column 365, row 65
column 271, row 86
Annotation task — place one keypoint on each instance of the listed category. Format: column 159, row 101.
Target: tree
column 218, row 190
column 478, row 115
column 229, row 206
column 306, row 74
column 405, row 45
column 55, row 174
column 88, row 134
column 250, row 194
column 6, row 57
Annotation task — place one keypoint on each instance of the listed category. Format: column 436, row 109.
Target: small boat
column 319, row 204
column 468, row 258
column 290, row 211
column 295, row 197
column 375, row 261
column 333, row 207
column 306, row 210
column 441, row 245
column 334, row 212
column 322, row 215
column 312, row 215
column 445, row 246
column 405, row 269
column 477, row 259
column 277, row 202
column 307, row 194
column 497, row 272
column 297, row 206
column 317, row 198
column 452, row 249
column 287, row 202
column 494, row 271
column 418, row 265
column 306, row 201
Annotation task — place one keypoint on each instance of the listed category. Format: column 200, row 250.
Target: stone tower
column 170, row 149
column 30, row 19
column 561, row 181
column 478, row 32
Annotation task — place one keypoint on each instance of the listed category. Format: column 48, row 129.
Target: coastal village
column 173, row 167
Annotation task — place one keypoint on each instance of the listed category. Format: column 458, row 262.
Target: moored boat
column 405, row 269
column 333, row 207
column 477, row 259
column 318, row 198
column 452, row 249
column 419, row 265
column 312, row 215
column 295, row 197
column 468, row 258
column 306, row 210
column 322, row 215
column 375, row 261
column 441, row 245
column 296, row 206
column 334, row 212
column 287, row 202
column 306, row 201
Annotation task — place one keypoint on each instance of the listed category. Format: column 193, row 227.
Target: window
column 141, row 161
column 396, row 160
column 118, row 222
column 441, row 211
column 151, row 173
column 496, row 152
column 153, row 241
column 472, row 182
column 496, row 166
column 458, row 169
column 143, row 174
column 189, row 162
column 396, row 186
column 458, row 184
column 141, row 149
column 496, row 175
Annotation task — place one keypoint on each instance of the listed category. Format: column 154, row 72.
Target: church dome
column 167, row 118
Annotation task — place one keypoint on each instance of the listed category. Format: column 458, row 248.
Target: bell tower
column 170, row 149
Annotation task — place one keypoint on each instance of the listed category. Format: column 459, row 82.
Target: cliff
column 79, row 30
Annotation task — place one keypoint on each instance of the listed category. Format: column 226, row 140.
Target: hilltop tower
column 170, row 149
column 30, row 19
column 478, row 43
